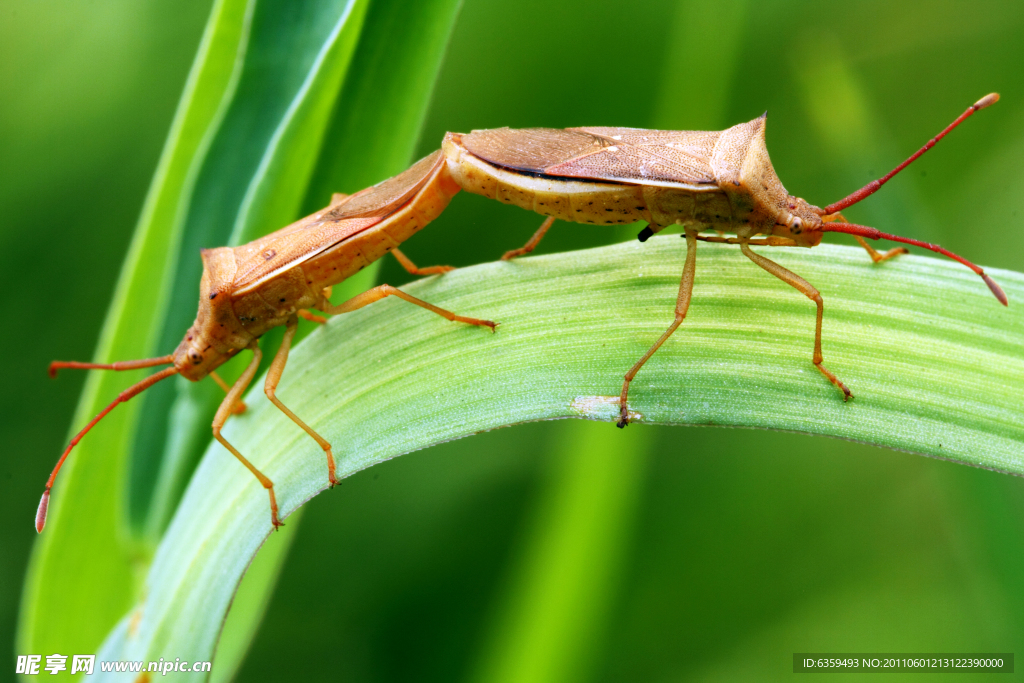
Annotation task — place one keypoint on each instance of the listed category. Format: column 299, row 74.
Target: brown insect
column 720, row 181
column 246, row 291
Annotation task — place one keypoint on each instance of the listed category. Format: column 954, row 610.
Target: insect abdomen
column 569, row 200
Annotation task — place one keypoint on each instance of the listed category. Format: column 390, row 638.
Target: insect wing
column 268, row 256
column 627, row 155
column 386, row 197
column 290, row 246
column 530, row 149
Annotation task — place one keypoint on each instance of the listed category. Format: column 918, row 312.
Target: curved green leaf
column 278, row 184
column 287, row 78
column 937, row 366
column 81, row 569
column 265, row 93
column 376, row 121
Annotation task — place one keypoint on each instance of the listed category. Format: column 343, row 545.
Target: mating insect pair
column 720, row 181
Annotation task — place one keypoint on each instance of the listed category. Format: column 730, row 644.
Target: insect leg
column 224, row 411
column 270, row 389
column 877, row 256
column 381, row 291
column 682, row 305
column 239, row 407
column 804, row 287
column 411, row 267
column 313, row 317
column 532, row 244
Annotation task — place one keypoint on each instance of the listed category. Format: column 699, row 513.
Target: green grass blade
column 937, row 366
column 250, row 602
column 82, row 575
column 370, row 136
column 384, row 104
column 552, row 612
column 279, row 183
column 277, row 136
column 381, row 111
column 287, row 75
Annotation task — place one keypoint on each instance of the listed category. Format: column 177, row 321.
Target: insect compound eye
column 195, row 357
column 797, row 226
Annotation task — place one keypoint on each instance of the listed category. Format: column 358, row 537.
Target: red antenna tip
column 53, row 369
column 874, row 185
column 996, row 289
column 44, row 503
column 987, row 100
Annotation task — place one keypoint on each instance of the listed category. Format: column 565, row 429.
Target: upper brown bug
column 718, row 181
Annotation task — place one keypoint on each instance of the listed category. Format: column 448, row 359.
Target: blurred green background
column 715, row 554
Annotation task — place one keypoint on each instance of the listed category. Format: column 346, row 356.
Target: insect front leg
column 239, row 406
column 532, row 243
column 224, row 412
column 270, row 389
column 803, row 286
column 682, row 305
column 875, row 255
column 381, row 291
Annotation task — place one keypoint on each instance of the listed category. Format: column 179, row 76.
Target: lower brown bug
column 246, row 291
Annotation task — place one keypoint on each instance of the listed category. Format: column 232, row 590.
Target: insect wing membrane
column 533, row 150
column 628, row 155
column 386, row 197
column 291, row 246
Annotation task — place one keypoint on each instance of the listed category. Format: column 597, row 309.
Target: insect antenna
column 128, row 393
column 875, row 234
column 57, row 365
column 874, row 185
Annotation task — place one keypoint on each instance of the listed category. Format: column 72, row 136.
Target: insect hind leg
column 413, row 269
